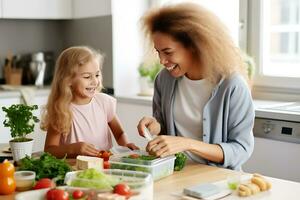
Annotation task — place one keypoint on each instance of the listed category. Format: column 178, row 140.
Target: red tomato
column 106, row 165
column 100, row 154
column 44, row 183
column 57, row 194
column 134, row 156
column 105, row 155
column 77, row 194
column 122, row 189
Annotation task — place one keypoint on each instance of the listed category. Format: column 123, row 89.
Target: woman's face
column 86, row 82
column 177, row 59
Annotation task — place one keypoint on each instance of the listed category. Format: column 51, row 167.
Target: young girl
column 78, row 118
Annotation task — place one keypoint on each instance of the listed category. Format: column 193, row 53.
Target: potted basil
column 21, row 121
column 148, row 72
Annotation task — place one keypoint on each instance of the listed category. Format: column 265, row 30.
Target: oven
column 277, row 141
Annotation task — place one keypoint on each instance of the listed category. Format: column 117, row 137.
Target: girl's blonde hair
column 202, row 33
column 57, row 115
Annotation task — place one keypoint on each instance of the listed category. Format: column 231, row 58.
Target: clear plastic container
column 141, row 184
column 158, row 168
column 24, row 180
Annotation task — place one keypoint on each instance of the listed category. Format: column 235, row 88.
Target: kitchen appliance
column 277, row 141
column 38, row 67
column 30, row 63
column 279, row 122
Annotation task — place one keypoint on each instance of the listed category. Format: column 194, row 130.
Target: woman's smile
column 170, row 68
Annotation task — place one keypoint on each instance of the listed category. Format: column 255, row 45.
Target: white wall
column 127, row 48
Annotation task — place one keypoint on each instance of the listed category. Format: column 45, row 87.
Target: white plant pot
column 21, row 149
column 146, row 86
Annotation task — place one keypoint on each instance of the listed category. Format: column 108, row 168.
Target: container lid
column 139, row 157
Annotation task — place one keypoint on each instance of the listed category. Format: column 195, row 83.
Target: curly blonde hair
column 200, row 31
column 57, row 115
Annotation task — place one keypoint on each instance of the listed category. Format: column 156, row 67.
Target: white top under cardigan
column 190, row 99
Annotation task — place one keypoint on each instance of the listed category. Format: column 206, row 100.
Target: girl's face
column 86, row 82
column 177, row 59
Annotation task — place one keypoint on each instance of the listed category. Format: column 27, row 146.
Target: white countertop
column 16, row 91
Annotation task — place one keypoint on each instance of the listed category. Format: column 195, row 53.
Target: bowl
column 233, row 181
column 24, row 180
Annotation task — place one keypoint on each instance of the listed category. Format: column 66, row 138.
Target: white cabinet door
column 37, row 9
column 5, row 131
column 130, row 114
column 0, row 8
column 39, row 135
column 91, row 8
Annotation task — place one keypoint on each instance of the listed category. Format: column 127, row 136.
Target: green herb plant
column 20, row 119
column 179, row 161
column 150, row 70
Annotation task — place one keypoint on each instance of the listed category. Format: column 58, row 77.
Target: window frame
column 254, row 47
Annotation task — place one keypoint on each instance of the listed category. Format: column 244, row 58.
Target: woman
column 202, row 103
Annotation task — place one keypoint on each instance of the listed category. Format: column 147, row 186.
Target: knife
column 147, row 134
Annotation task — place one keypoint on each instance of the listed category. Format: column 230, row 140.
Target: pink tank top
column 90, row 122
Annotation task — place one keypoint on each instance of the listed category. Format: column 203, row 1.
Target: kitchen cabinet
column 91, row 8
column 0, row 8
column 130, row 111
column 37, row 9
column 38, row 134
column 54, row 9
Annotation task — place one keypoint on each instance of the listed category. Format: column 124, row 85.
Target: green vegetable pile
column 139, row 159
column 142, row 157
column 91, row 178
column 47, row 166
column 179, row 161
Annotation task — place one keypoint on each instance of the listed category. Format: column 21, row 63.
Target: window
column 274, row 41
column 281, row 22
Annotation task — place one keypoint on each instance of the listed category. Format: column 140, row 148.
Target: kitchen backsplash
column 32, row 36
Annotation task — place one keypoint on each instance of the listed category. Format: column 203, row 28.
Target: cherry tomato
column 105, row 155
column 77, row 194
column 106, row 165
column 57, row 194
column 44, row 183
column 7, row 185
column 134, row 156
column 7, row 169
column 122, row 189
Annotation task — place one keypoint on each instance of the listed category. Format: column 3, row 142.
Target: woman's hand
column 132, row 146
column 167, row 145
column 82, row 148
column 150, row 123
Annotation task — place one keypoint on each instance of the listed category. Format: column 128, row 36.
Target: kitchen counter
column 7, row 91
column 194, row 174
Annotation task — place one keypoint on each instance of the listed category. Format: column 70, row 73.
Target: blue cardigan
column 228, row 116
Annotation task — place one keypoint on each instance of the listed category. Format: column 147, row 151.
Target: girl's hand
column 150, row 123
column 163, row 145
column 82, row 148
column 132, row 146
